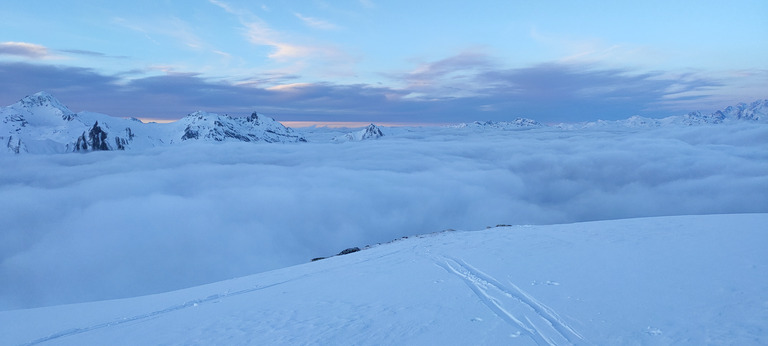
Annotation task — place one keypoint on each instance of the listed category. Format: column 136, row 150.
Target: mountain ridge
column 40, row 123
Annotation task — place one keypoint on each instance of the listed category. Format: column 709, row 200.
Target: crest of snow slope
column 369, row 132
column 39, row 123
column 651, row 281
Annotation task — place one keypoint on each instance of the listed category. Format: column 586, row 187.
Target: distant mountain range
column 499, row 125
column 39, row 123
column 753, row 112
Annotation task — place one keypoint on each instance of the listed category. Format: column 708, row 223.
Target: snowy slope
column 656, row 281
column 40, row 123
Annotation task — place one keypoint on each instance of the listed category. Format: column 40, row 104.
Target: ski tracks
column 514, row 305
column 149, row 315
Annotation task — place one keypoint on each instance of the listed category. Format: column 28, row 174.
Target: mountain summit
column 369, row 132
column 40, row 123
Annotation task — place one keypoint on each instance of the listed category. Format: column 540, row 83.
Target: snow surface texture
column 656, row 281
column 40, row 123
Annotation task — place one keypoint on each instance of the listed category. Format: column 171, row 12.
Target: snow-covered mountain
column 254, row 128
column 40, row 123
column 756, row 111
column 500, row 125
column 652, row 281
column 369, row 132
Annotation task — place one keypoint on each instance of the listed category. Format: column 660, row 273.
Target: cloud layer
column 116, row 224
column 462, row 89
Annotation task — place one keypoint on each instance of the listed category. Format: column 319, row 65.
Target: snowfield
column 653, row 281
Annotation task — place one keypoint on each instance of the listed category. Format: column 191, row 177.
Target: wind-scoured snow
column 652, row 281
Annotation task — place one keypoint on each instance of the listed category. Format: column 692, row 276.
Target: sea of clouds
column 103, row 225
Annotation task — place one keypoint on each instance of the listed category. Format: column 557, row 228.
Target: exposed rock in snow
column 754, row 112
column 255, row 128
column 370, row 132
column 39, row 123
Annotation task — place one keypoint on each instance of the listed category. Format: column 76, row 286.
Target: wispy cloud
column 91, row 53
column 286, row 48
column 316, row 23
column 595, row 50
column 260, row 34
column 367, row 3
column 24, row 49
column 455, row 76
column 168, row 31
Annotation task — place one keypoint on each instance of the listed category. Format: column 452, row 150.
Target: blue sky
column 387, row 61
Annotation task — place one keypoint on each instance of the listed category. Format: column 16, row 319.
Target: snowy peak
column 369, row 132
column 755, row 111
column 40, row 123
column 44, row 100
column 500, row 125
column 202, row 125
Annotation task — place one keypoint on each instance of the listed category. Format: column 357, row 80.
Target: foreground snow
column 682, row 279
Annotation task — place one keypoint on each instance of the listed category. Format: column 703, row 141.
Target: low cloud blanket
column 80, row 227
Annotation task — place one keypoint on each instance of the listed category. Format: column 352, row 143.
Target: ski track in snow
column 514, row 305
column 191, row 303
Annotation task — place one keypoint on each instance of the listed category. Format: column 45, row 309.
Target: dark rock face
column 95, row 139
column 98, row 138
column 254, row 118
column 349, row 251
column 15, row 145
column 190, row 133
column 372, row 132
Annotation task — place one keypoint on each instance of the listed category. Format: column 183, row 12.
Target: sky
column 387, row 61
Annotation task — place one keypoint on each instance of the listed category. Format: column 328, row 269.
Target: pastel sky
column 387, row 61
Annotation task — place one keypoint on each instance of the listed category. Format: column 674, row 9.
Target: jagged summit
column 369, row 132
column 755, row 111
column 219, row 128
column 40, row 123
column 372, row 132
